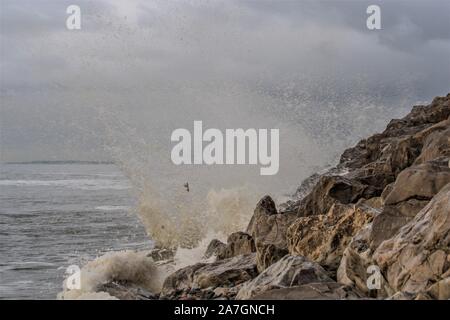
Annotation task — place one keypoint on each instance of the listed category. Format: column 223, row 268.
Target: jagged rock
column 356, row 258
column 418, row 255
column 231, row 271
column 180, row 281
column 436, row 142
column 264, row 208
column 306, row 187
column 386, row 191
column 420, row 182
column 377, row 160
column 311, row 291
column 323, row 238
column 355, row 262
column 412, row 190
column 228, row 272
column 267, row 254
column 440, row 290
column 330, row 190
column 376, row 203
column 237, row 243
column 215, row 247
column 370, row 149
column 392, row 218
column 268, row 230
column 287, row 272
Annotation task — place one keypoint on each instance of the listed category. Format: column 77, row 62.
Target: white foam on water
column 130, row 266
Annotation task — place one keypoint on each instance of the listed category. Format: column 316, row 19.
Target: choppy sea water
column 56, row 215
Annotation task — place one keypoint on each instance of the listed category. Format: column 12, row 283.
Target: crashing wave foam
column 186, row 232
column 123, row 266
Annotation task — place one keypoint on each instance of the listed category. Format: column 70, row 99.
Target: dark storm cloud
column 131, row 52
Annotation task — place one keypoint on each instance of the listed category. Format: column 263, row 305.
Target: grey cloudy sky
column 153, row 66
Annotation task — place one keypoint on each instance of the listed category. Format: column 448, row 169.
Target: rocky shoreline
column 385, row 207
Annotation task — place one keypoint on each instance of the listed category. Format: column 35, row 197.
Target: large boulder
column 323, row 238
column 420, row 182
column 214, row 249
column 268, row 253
column 208, row 276
column 436, row 142
column 355, row 263
column 287, row 272
column 330, row 190
column 268, row 230
column 392, row 218
column 180, row 282
column 412, row 190
column 311, row 291
column 418, row 256
column 229, row 272
column 237, row 243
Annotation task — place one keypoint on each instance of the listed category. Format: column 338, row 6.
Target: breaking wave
column 129, row 266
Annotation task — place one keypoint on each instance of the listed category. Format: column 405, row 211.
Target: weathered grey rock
column 400, row 155
column 419, row 182
column 180, row 281
column 330, row 190
column 268, row 230
column 418, row 255
column 323, row 238
column 356, row 258
column 392, row 218
column 311, row 291
column 440, row 290
column 287, row 272
column 208, row 276
column 264, row 209
column 377, row 160
column 436, row 142
column 215, row 247
column 237, row 243
column 267, row 254
column 412, row 190
column 229, row 272
column 353, row 267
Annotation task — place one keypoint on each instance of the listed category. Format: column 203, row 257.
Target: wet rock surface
column 287, row 272
column 200, row 280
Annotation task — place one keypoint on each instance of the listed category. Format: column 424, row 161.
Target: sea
column 54, row 215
